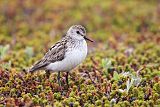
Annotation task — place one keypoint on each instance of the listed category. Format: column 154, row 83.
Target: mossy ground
column 123, row 65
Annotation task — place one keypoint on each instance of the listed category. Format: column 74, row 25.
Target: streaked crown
column 79, row 28
column 77, row 31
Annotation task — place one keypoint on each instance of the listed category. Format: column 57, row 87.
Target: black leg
column 48, row 73
column 58, row 78
column 67, row 79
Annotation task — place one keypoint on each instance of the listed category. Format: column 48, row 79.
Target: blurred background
column 34, row 25
column 123, row 65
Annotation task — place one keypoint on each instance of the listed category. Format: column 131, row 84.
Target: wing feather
column 55, row 53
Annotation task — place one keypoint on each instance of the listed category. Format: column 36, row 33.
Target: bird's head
column 78, row 32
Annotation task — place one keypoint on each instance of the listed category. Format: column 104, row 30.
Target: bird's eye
column 77, row 32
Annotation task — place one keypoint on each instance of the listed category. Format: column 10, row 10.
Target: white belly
column 71, row 60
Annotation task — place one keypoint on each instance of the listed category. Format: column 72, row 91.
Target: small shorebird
column 66, row 54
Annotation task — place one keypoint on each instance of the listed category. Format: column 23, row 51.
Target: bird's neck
column 75, row 43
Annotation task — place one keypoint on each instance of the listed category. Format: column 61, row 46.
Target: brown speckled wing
column 55, row 53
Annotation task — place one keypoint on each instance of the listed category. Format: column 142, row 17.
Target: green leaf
column 116, row 76
column 29, row 51
column 106, row 63
column 3, row 51
column 6, row 65
column 129, row 84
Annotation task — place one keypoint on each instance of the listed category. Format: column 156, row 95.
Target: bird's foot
column 67, row 80
column 48, row 74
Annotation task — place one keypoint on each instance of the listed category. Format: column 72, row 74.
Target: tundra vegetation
column 122, row 67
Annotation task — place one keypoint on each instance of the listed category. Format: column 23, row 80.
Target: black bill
column 88, row 39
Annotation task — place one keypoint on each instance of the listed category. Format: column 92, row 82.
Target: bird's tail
column 37, row 66
column 32, row 69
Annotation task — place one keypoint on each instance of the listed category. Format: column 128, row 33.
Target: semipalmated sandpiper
column 66, row 54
